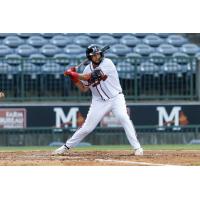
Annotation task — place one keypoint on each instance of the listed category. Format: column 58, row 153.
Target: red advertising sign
column 12, row 118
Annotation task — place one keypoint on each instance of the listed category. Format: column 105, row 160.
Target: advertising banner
column 61, row 116
column 13, row 118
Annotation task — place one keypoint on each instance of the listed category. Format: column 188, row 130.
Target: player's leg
column 120, row 112
column 97, row 110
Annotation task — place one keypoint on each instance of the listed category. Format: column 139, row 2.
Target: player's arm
column 81, row 86
column 76, row 77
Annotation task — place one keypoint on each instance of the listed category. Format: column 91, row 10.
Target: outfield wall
column 41, row 124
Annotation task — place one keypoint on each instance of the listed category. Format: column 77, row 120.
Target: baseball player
column 101, row 77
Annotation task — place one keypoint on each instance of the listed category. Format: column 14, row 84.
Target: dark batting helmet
column 92, row 50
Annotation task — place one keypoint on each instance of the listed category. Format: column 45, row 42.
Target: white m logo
column 61, row 118
column 165, row 119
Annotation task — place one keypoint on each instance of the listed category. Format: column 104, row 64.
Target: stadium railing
column 143, row 78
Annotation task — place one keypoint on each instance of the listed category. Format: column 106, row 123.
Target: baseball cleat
column 139, row 152
column 61, row 150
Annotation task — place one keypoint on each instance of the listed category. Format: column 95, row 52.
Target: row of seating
column 127, row 68
column 67, row 59
column 75, row 51
column 92, row 35
column 129, row 40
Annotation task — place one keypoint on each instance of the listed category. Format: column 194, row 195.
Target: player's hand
column 68, row 72
column 73, row 74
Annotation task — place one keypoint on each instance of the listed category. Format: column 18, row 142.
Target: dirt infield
column 101, row 158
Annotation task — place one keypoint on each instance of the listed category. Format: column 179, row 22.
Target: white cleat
column 139, row 152
column 61, row 150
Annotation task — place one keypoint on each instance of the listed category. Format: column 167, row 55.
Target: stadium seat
column 26, row 35
column 181, row 58
column 176, row 40
column 157, row 58
column 143, row 49
column 129, row 40
column 4, row 35
column 197, row 55
column 125, row 70
column 163, row 35
column 153, row 40
column 112, row 56
column 52, row 68
column 74, row 49
column 118, row 35
column 134, row 58
column 172, row 68
column 94, row 35
column 31, row 69
column 61, row 59
column 83, row 40
column 81, row 56
column 25, row 50
column 185, row 61
column 48, row 35
column 13, row 59
column 148, row 68
column 167, row 49
column 5, row 50
column 50, row 50
column 37, row 59
column 5, row 68
column 190, row 49
column 13, row 41
column 106, row 40
column 120, row 49
column 60, row 40
column 140, row 35
column 37, row 41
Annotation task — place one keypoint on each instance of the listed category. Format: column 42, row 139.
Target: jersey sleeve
column 108, row 67
column 85, row 71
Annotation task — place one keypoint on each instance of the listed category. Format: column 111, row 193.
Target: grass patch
column 103, row 148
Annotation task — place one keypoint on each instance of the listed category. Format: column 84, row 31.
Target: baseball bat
column 86, row 60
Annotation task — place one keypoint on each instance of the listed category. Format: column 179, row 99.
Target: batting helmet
column 92, row 50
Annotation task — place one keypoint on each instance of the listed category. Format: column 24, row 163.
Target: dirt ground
column 101, row 158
